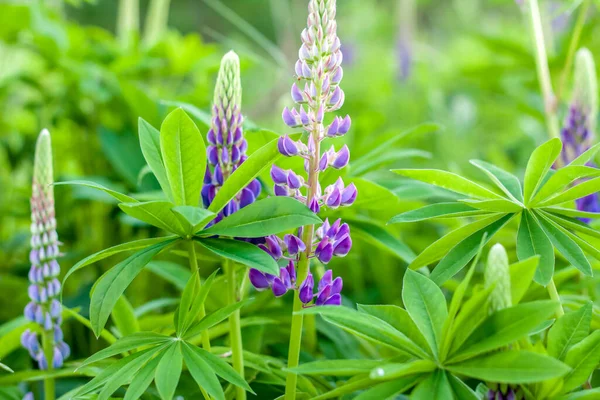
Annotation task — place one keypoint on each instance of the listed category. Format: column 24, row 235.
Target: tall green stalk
column 128, row 23
column 550, row 105
column 48, row 346
column 194, row 267
column 235, row 327
column 157, row 19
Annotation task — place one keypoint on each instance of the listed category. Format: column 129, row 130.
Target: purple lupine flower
column 316, row 92
column 578, row 132
column 44, row 308
column 227, row 149
column 508, row 394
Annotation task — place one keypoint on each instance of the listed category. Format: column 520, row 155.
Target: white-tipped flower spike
column 579, row 130
column 44, row 290
column 497, row 273
column 227, row 146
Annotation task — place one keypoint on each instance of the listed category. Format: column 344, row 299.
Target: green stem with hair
column 48, row 346
column 194, row 267
column 235, row 328
column 543, row 71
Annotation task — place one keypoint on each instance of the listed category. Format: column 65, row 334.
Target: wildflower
column 578, row 132
column 44, row 308
column 227, row 146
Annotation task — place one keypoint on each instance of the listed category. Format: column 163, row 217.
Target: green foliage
column 542, row 228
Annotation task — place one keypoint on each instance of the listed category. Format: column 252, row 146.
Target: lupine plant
column 249, row 231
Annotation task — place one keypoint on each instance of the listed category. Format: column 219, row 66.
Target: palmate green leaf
column 263, row 218
column 569, row 330
column 99, row 380
column 258, row 161
column 532, row 241
column 101, row 255
column 387, row 390
column 578, row 191
column 399, row 319
column 495, row 205
column 462, row 253
column 380, row 237
column 570, row 212
column 168, row 371
column 563, row 178
column 461, row 390
column 588, row 248
column 150, row 145
column 512, row 366
column 193, row 218
column 142, row 380
column 127, row 343
column 388, row 372
column 586, row 156
column 438, row 210
column 119, row 196
column 122, row 377
column 504, row 327
column 435, row 386
column 505, row 181
column 583, row 358
column 570, row 223
column 426, row 305
column 538, row 166
column 567, row 247
column 521, row 275
column 184, row 156
column 155, row 213
column 113, row 283
column 472, row 314
column 214, row 318
column 336, row 367
column 241, row 252
column 368, row 327
column 202, row 373
column 450, row 181
column 440, row 247
column 192, row 299
column 124, row 318
column 456, row 302
column 222, row 368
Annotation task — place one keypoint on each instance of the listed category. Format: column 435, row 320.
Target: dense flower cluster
column 227, row 146
column 316, row 92
column 579, row 127
column 44, row 290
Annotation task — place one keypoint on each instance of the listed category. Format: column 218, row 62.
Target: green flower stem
column 157, row 19
column 128, row 23
column 543, row 71
column 48, row 346
column 554, row 296
column 235, row 328
column 573, row 45
column 302, row 270
column 202, row 313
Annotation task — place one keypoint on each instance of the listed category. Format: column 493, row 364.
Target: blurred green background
column 75, row 68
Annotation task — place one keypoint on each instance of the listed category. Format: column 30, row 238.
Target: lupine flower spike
column 44, row 308
column 227, row 146
column 497, row 273
column 316, row 92
column 578, row 133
